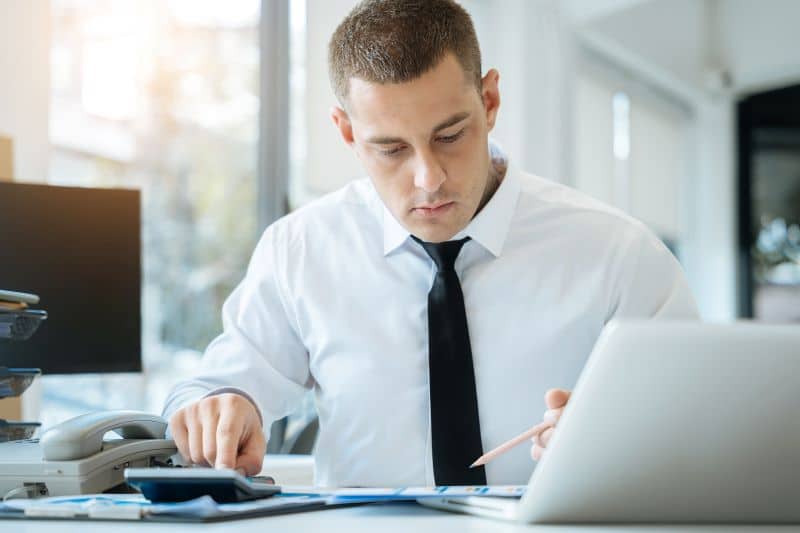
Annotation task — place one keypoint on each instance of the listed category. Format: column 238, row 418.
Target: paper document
column 135, row 507
column 368, row 494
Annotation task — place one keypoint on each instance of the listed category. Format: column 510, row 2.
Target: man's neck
column 497, row 171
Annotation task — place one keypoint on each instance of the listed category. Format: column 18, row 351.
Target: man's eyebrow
column 455, row 119
column 452, row 121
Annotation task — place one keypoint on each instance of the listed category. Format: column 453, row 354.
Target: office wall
column 711, row 244
column 760, row 42
column 670, row 35
column 756, row 42
column 329, row 163
column 25, row 84
column 645, row 174
column 530, row 45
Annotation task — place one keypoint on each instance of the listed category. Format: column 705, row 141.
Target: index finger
column 555, row 398
column 229, row 433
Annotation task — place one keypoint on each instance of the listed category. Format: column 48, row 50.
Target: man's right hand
column 223, row 431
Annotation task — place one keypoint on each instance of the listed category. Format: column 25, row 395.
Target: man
column 430, row 306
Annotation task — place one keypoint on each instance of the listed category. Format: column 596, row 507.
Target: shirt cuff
column 240, row 392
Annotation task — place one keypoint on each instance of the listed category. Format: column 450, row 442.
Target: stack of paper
column 136, row 507
column 17, row 322
column 291, row 499
column 373, row 494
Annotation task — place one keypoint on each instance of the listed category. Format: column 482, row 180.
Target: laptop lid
column 677, row 421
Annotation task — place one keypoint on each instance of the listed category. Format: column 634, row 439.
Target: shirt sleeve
column 651, row 283
column 259, row 353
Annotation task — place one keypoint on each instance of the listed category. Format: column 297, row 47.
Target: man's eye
column 451, row 138
column 392, row 151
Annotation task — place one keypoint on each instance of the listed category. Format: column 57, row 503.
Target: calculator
column 161, row 485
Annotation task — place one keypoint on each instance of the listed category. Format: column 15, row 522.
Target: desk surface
column 386, row 518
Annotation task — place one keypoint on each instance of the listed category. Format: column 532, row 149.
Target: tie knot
column 444, row 254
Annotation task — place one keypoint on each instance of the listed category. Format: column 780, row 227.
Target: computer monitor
column 79, row 249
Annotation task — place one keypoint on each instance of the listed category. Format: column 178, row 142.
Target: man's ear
column 490, row 94
column 343, row 124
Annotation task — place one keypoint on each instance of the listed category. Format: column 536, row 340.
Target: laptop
column 671, row 422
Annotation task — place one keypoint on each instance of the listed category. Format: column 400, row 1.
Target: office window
column 162, row 96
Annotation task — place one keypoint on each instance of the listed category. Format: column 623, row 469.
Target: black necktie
column 455, row 426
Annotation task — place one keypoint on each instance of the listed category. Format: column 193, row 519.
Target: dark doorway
column 769, row 205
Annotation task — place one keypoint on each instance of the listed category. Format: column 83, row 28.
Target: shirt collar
column 489, row 228
column 394, row 234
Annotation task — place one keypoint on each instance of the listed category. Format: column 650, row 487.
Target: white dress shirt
column 335, row 300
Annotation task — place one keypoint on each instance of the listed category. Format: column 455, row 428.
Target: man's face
column 424, row 143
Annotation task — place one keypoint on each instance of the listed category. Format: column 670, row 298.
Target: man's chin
column 432, row 232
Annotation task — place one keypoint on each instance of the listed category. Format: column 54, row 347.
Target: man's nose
column 429, row 174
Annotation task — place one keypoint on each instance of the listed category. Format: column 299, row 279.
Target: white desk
column 383, row 518
column 289, row 469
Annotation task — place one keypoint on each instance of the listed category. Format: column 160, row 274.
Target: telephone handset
column 74, row 458
column 82, row 436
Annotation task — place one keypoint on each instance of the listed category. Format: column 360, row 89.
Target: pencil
column 503, row 448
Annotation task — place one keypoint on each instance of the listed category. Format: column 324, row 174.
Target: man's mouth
column 429, row 210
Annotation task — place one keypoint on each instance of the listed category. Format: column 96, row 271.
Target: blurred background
column 684, row 113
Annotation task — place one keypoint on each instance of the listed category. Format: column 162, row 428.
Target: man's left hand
column 555, row 400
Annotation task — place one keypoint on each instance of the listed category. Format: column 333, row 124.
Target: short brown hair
column 394, row 41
